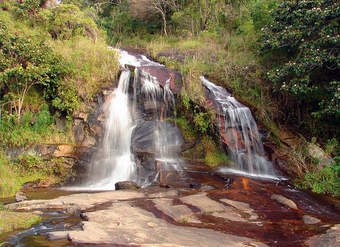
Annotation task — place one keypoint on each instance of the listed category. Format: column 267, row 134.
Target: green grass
column 10, row 221
column 94, row 65
column 187, row 131
column 12, row 177
column 34, row 128
column 214, row 155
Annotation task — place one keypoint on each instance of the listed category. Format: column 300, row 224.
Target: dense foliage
column 52, row 63
column 66, row 21
column 304, row 39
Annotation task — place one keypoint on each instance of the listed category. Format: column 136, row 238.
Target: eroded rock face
column 143, row 137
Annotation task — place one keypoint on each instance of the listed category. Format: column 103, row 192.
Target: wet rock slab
column 121, row 221
column 124, row 224
column 76, row 202
column 164, row 76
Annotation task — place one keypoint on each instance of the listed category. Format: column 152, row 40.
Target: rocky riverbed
column 204, row 209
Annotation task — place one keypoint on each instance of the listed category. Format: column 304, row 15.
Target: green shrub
column 30, row 130
column 66, row 21
column 28, row 9
column 324, row 180
column 26, row 63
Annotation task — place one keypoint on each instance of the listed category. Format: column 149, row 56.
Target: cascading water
column 114, row 161
column 239, row 131
column 162, row 99
column 152, row 82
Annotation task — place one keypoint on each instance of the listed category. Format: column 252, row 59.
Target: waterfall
column 167, row 143
column 114, row 161
column 239, row 132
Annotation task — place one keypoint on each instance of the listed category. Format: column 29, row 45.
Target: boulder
column 283, row 200
column 164, row 76
column 310, row 220
column 64, row 150
column 317, row 153
column 126, row 185
column 20, row 196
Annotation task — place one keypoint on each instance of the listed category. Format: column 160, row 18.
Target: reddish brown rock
column 164, row 75
column 64, row 150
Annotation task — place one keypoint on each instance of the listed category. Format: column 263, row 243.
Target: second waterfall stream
column 238, row 130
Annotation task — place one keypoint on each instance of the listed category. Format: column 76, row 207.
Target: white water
column 161, row 99
column 125, row 58
column 241, row 134
column 114, row 161
column 166, row 146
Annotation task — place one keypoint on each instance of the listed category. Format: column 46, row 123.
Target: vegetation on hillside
column 52, row 63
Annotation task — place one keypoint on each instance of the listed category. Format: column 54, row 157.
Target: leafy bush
column 30, row 130
column 28, row 9
column 25, row 63
column 325, row 180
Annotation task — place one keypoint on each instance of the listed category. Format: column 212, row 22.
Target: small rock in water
column 228, row 182
column 207, row 188
column 20, row 196
column 84, row 216
column 310, row 220
column 127, row 185
column 194, row 185
column 57, row 235
column 283, row 200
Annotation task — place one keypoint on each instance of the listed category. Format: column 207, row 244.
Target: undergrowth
column 29, row 168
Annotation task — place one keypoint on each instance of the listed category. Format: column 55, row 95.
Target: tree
column 304, row 37
column 163, row 7
column 25, row 63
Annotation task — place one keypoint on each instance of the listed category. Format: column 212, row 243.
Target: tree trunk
column 164, row 24
column 201, row 14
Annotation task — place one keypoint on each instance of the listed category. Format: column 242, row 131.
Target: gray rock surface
column 126, row 185
column 330, row 239
column 122, row 222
